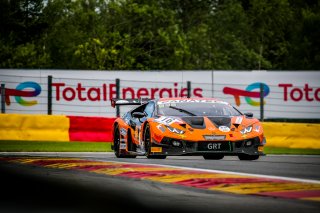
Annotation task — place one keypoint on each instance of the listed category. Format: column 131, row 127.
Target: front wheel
column 211, row 156
column 116, row 145
column 248, row 157
column 148, row 144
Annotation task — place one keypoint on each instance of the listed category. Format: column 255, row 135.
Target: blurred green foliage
column 160, row 34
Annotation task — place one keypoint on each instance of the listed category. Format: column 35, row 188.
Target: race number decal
column 166, row 120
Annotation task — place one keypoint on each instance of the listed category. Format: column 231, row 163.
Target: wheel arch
column 115, row 125
column 144, row 127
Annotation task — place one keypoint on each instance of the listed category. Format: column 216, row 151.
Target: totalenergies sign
column 248, row 93
column 290, row 93
column 24, row 89
column 104, row 92
column 285, row 94
column 108, row 91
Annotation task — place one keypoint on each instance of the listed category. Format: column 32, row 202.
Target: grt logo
column 248, row 93
column 20, row 92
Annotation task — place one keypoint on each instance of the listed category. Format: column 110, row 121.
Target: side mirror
column 138, row 115
column 248, row 114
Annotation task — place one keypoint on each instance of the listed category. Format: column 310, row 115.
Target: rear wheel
column 116, row 142
column 148, row 144
column 216, row 156
column 248, row 157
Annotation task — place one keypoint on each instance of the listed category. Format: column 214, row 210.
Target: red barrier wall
column 90, row 129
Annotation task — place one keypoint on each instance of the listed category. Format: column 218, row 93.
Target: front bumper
column 170, row 146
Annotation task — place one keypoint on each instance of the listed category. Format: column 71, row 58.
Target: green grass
column 43, row 146
column 274, row 150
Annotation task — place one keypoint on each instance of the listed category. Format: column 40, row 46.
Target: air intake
column 195, row 122
column 220, row 121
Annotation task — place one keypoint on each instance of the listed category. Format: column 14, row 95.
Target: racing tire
column 210, row 156
column 147, row 144
column 248, row 157
column 116, row 145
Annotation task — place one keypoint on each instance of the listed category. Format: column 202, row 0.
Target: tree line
column 160, row 34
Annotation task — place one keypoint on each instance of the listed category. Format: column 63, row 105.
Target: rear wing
column 120, row 102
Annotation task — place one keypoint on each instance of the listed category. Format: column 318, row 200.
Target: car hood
column 203, row 122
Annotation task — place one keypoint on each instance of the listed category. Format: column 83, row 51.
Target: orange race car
column 186, row 126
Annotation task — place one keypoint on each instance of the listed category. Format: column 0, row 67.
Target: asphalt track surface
column 29, row 188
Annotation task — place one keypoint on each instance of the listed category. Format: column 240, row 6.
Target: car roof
column 184, row 98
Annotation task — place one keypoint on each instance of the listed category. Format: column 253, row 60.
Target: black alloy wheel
column 147, row 144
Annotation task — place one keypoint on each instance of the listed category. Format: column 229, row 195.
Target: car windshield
column 197, row 109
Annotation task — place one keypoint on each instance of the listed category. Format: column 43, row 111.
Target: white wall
column 292, row 94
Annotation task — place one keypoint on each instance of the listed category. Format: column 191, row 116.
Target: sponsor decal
column 122, row 102
column 224, row 129
column 191, row 101
column 161, row 128
column 214, row 146
column 25, row 89
column 123, row 132
column 156, row 149
column 123, row 145
column 214, row 137
column 248, row 93
column 238, row 120
column 127, row 120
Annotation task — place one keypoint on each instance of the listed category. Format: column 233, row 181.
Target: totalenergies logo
column 248, row 93
column 21, row 91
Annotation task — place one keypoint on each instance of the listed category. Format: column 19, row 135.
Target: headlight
column 174, row 130
column 246, row 130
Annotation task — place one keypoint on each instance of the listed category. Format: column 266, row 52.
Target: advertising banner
column 287, row 94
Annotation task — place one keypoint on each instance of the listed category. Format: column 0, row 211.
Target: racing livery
column 186, row 126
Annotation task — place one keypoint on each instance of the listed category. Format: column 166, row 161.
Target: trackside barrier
column 98, row 129
column 292, row 135
column 88, row 129
column 34, row 127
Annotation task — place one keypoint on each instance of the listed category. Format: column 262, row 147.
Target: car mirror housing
column 249, row 114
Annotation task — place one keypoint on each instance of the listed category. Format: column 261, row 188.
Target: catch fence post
column 49, row 95
column 188, row 89
column 118, row 95
column 3, row 98
column 261, row 102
